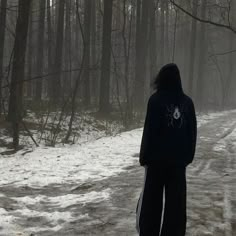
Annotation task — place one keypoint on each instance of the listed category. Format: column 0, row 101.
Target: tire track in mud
column 210, row 192
column 207, row 140
column 230, row 193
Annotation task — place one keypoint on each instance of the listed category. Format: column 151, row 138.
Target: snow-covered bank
column 49, row 130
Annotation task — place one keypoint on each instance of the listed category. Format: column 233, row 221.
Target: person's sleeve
column 193, row 134
column 144, row 148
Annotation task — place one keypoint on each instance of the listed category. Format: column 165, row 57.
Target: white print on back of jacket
column 175, row 115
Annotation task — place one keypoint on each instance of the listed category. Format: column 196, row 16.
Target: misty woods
column 66, row 56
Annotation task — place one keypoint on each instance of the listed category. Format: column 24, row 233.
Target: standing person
column 167, row 148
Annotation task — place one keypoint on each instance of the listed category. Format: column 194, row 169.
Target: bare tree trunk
column 126, row 48
column 162, row 43
column 174, row 37
column 87, row 35
column 230, row 87
column 30, row 49
column 99, row 31
column 137, row 54
column 192, row 48
column 57, row 90
column 40, row 53
column 139, row 96
column 68, row 66
column 50, row 50
column 16, row 88
column 167, row 44
column 202, row 58
column 104, row 103
column 2, row 40
column 153, row 40
column 78, row 80
column 94, row 78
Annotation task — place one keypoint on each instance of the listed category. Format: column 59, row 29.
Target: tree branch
column 228, row 27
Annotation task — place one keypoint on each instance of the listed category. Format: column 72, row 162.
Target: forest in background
column 102, row 56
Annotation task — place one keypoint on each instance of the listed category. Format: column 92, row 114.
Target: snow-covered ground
column 69, row 164
column 83, row 189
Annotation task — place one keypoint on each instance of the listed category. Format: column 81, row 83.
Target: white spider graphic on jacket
column 175, row 115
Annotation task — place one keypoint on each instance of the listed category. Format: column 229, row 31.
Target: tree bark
column 68, row 59
column 40, row 53
column 94, row 78
column 141, row 66
column 153, row 40
column 2, row 40
column 202, row 58
column 16, row 87
column 104, row 103
column 57, row 89
column 192, row 48
column 87, row 35
column 162, row 34
column 49, row 50
column 167, row 44
column 30, row 53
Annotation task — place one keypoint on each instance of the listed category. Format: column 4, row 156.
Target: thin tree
column 202, row 57
column 137, row 85
column 57, row 89
column 104, row 103
column 2, row 40
column 127, row 50
column 153, row 40
column 67, row 50
column 16, row 87
column 40, row 52
column 192, row 51
column 87, row 35
column 30, row 52
column 94, row 77
column 78, row 80
column 141, row 66
column 162, row 33
column 232, row 57
column 167, row 44
column 49, row 49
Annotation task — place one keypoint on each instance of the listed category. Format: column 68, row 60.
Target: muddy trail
column 211, row 195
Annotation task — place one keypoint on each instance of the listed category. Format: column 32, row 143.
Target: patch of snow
column 205, row 118
column 7, row 223
column 56, row 220
column 71, row 164
column 64, row 200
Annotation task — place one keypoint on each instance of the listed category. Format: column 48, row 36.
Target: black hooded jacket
column 170, row 128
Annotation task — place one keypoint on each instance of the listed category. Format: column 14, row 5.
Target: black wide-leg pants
column 171, row 180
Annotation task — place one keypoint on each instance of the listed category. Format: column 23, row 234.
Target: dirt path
column 211, row 195
column 211, row 181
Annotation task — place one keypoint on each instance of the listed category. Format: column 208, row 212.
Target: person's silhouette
column 167, row 148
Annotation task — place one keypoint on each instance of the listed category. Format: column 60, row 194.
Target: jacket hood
column 169, row 80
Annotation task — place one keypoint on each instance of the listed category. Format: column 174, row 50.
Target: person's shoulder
column 188, row 99
column 153, row 96
column 154, row 99
column 190, row 107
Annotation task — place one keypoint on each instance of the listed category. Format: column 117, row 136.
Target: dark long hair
column 168, row 79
